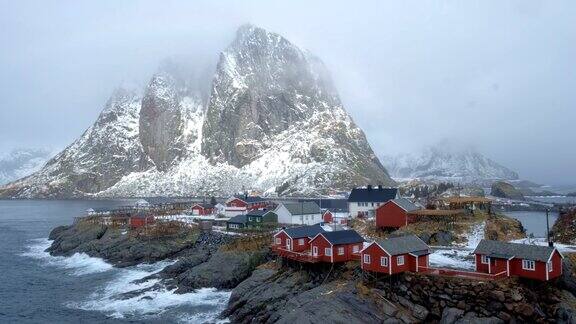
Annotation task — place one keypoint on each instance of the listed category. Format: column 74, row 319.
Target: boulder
column 451, row 315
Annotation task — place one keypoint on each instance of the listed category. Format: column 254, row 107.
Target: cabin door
column 315, row 251
column 289, row 244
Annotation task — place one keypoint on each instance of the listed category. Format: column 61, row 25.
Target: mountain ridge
column 273, row 122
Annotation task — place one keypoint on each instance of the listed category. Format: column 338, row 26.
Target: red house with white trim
column 296, row 239
column 136, row 221
column 395, row 255
column 515, row 259
column 202, row 209
column 337, row 246
column 394, row 213
column 327, row 217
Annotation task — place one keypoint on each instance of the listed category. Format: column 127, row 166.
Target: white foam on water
column 79, row 264
column 155, row 302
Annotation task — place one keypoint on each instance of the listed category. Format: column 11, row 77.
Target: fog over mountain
column 496, row 75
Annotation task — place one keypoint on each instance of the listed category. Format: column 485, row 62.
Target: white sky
column 499, row 75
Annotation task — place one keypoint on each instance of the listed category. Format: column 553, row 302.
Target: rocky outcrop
column 118, row 247
column 564, row 229
column 505, row 190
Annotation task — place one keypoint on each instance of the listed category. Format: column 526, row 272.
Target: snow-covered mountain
column 22, row 162
column 447, row 163
column 271, row 121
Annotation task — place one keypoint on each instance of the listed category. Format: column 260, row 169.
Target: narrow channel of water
column 533, row 221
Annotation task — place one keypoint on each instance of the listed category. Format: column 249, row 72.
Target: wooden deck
column 297, row 256
column 462, row 274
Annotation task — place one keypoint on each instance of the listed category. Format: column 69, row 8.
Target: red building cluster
column 494, row 259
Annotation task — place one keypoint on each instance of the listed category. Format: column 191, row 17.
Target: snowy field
column 460, row 256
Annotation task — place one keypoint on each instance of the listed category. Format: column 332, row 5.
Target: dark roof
column 204, row 205
column 405, row 204
column 251, row 199
column 403, row 245
column 302, row 208
column 370, row 194
column 238, row 219
column 498, row 249
column 335, row 205
column 304, row 231
column 343, row 237
column 258, row 212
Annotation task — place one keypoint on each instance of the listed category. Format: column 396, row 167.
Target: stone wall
column 450, row 300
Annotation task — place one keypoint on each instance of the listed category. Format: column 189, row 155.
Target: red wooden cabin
column 141, row 220
column 296, row 239
column 337, row 246
column 395, row 255
column 202, row 209
column 515, row 259
column 327, row 217
column 394, row 213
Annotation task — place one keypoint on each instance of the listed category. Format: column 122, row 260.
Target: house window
column 355, row 249
column 384, row 261
column 367, row 258
column 528, row 265
column 400, row 260
column 341, row 250
column 300, row 241
column 278, row 241
column 258, row 219
column 328, row 251
column 485, row 259
column 550, row 266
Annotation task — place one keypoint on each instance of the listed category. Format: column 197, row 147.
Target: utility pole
column 548, row 228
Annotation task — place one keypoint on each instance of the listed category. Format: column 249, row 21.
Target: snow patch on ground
column 460, row 256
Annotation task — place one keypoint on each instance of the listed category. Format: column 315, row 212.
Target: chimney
column 369, row 187
column 550, row 243
column 379, row 187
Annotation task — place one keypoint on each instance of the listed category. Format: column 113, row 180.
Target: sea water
column 38, row 288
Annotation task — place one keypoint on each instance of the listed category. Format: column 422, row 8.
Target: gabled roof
column 403, row 245
column 343, row 237
column 204, row 205
column 302, row 208
column 370, row 194
column 304, row 231
column 405, row 204
column 238, row 219
column 498, row 249
column 248, row 199
column 258, row 212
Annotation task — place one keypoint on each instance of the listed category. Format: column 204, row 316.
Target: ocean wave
column 79, row 264
column 152, row 299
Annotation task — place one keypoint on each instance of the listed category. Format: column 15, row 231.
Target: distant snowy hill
column 271, row 121
column 21, row 162
column 444, row 162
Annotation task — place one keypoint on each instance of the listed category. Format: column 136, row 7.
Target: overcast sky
column 498, row 75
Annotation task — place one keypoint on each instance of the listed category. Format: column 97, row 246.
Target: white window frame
column 550, row 266
column 278, row 241
column 366, row 258
column 400, row 260
column 384, row 261
column 355, row 249
column 341, row 250
column 529, row 265
column 484, row 259
column 301, row 241
column 328, row 251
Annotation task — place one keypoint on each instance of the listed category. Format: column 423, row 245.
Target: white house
column 304, row 213
column 364, row 201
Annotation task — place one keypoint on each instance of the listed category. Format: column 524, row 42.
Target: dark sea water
column 534, row 221
column 38, row 288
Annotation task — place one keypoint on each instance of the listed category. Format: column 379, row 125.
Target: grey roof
column 304, row 231
column 303, row 208
column 498, row 249
column 377, row 194
column 258, row 212
column 405, row 204
column 251, row 199
column 238, row 219
column 403, row 245
column 343, row 237
column 204, row 205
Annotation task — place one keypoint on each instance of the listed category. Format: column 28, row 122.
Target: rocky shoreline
column 267, row 289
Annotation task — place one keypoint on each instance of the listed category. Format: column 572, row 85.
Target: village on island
column 374, row 227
